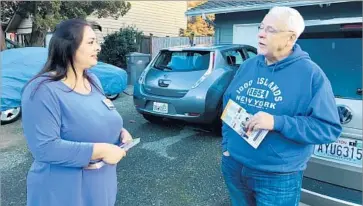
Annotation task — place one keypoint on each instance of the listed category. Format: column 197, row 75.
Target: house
column 159, row 18
column 17, row 29
column 237, row 21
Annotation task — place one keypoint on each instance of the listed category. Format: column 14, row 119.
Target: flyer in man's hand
column 237, row 117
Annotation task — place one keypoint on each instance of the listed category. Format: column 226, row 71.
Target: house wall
column 161, row 18
column 25, row 26
column 225, row 22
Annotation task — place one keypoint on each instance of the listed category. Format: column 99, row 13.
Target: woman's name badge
column 109, row 104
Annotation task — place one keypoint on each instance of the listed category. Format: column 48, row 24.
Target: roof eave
column 261, row 7
column 13, row 23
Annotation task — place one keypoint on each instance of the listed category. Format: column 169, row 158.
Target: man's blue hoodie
column 299, row 96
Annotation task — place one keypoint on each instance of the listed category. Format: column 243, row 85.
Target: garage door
column 245, row 34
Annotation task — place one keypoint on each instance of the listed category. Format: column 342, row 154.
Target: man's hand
column 261, row 120
column 125, row 136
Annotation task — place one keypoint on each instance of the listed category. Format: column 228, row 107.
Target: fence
column 152, row 45
column 158, row 43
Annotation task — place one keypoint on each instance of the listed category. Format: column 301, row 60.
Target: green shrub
column 117, row 45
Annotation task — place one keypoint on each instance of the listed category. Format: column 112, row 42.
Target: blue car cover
column 19, row 65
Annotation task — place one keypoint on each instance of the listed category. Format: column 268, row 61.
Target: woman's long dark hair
column 63, row 45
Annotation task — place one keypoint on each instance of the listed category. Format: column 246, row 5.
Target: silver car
column 334, row 173
column 188, row 83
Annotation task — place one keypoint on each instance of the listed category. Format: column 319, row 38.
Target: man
column 291, row 97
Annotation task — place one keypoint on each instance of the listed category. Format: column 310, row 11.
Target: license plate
column 347, row 151
column 160, row 107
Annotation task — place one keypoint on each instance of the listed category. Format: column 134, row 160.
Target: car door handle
column 359, row 91
column 164, row 82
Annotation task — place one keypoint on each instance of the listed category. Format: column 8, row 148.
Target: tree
column 7, row 10
column 192, row 4
column 199, row 27
column 196, row 25
column 117, row 45
column 46, row 14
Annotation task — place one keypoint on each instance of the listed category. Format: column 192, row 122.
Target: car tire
column 217, row 123
column 217, row 126
column 10, row 115
column 152, row 118
column 112, row 97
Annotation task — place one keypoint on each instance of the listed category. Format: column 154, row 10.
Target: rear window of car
column 183, row 60
column 339, row 54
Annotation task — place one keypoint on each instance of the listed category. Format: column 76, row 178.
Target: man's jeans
column 249, row 187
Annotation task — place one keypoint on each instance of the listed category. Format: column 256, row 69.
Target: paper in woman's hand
column 129, row 145
column 126, row 147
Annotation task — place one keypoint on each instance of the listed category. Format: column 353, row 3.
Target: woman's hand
column 125, row 136
column 113, row 154
column 109, row 153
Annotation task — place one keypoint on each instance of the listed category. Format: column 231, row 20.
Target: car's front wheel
column 10, row 115
column 152, row 118
column 216, row 125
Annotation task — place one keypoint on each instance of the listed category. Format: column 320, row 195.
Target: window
column 251, row 54
column 233, row 57
column 183, row 60
column 339, row 55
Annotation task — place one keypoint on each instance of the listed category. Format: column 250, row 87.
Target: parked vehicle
column 11, row 44
column 188, row 83
column 19, row 65
column 334, row 173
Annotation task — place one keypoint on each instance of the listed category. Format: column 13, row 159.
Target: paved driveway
column 175, row 164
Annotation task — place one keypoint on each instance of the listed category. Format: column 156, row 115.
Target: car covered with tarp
column 19, row 65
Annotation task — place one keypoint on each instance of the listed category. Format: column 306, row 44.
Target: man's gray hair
column 294, row 20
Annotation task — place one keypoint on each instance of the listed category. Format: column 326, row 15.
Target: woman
column 69, row 123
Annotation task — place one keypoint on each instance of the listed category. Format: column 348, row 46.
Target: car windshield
column 183, row 60
column 340, row 57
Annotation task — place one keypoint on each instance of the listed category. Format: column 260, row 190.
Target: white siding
column 25, row 26
column 161, row 18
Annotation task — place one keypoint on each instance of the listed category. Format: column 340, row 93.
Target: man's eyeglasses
column 270, row 29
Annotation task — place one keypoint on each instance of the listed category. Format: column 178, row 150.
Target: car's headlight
column 143, row 75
